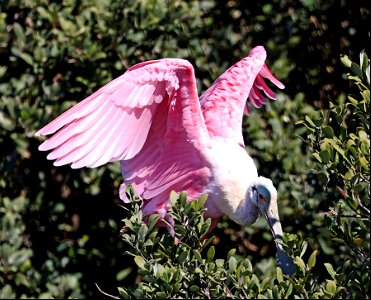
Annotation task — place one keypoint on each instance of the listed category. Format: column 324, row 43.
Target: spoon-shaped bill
column 283, row 260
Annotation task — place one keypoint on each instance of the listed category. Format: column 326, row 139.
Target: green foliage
column 20, row 278
column 184, row 264
column 340, row 140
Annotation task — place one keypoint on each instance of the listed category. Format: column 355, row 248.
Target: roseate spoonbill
column 167, row 138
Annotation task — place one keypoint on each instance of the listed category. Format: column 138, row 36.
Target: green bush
column 340, row 140
column 185, row 266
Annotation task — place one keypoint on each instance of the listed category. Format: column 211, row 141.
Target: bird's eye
column 261, row 197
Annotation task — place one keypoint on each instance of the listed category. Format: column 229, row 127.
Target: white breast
column 233, row 170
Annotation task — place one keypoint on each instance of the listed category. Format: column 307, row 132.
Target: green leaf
column 356, row 69
column 300, row 263
column 289, row 290
column 152, row 221
column 276, row 293
column 142, row 232
column 211, row 266
column 353, row 100
column 255, row 280
column 208, row 241
column 183, row 196
column 160, row 271
column 18, row 30
column 210, row 253
column 194, row 288
column 219, row 262
column 123, row 293
column 364, row 163
column 345, row 60
column 247, row 264
column 331, row 286
column 309, row 120
column 23, row 55
column 232, row 263
column 363, row 60
column 337, row 148
column 231, row 253
column 139, row 261
column 338, row 240
column 44, row 13
column 312, row 259
column 123, row 274
column 173, row 198
column 183, row 256
column 304, row 247
column 279, row 275
column 317, row 156
column 197, row 256
column 160, row 295
column 330, row 270
column 328, row 131
column 6, row 122
column 264, row 283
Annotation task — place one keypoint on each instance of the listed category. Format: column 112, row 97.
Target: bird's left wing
column 224, row 103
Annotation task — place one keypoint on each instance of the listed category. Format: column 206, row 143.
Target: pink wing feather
column 150, row 119
column 225, row 102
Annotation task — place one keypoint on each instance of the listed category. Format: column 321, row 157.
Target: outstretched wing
column 150, row 119
column 225, row 102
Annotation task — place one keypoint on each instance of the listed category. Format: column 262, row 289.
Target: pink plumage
column 152, row 120
column 167, row 138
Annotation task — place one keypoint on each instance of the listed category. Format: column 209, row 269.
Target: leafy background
column 60, row 227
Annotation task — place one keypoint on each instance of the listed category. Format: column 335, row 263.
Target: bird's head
column 264, row 195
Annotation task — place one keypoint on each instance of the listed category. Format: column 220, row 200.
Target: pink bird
column 167, row 138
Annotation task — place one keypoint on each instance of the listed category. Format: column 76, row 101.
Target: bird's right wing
column 150, row 119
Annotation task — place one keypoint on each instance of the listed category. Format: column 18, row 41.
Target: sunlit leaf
column 312, row 259
column 330, row 270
